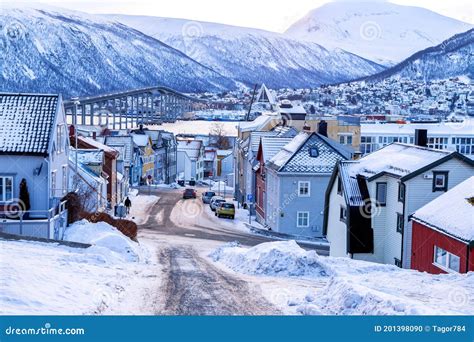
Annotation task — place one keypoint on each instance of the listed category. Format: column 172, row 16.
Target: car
column 207, row 196
column 192, row 182
column 181, row 182
column 226, row 209
column 215, row 201
column 189, row 193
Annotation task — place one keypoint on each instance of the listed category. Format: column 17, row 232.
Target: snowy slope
column 253, row 56
column 380, row 31
column 453, row 57
column 46, row 49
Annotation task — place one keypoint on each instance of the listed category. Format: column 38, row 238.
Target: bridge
column 129, row 109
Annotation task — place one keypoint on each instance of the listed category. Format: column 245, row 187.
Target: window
column 339, row 185
column 343, row 214
column 440, row 181
column 401, row 192
column 304, row 189
column 6, row 189
column 400, row 223
column 345, row 139
column 445, row 260
column 302, row 219
column 341, row 140
column 398, row 262
column 64, row 184
column 53, row 183
column 349, row 140
column 313, row 152
column 381, row 194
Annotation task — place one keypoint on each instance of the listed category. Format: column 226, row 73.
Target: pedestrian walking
column 128, row 204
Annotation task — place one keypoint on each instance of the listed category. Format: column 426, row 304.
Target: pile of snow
column 141, row 207
column 316, row 285
column 285, row 259
column 220, row 186
column 104, row 236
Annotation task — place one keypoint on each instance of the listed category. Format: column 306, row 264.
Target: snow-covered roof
column 124, row 144
column 272, row 145
column 451, row 213
column 26, row 122
column 141, row 140
column 259, row 122
column 397, row 159
column 191, row 147
column 296, row 157
column 87, row 157
column 444, row 128
column 98, row 145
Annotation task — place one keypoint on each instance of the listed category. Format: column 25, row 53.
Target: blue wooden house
column 33, row 149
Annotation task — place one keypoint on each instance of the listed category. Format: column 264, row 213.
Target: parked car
column 189, row 193
column 207, row 196
column 226, row 210
column 181, row 182
column 192, row 182
column 215, row 202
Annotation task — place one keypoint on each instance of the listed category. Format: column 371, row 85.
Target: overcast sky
column 273, row 15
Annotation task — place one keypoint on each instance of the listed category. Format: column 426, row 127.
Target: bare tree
column 218, row 131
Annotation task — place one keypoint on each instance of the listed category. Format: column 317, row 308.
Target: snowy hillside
column 254, row 56
column 46, row 49
column 453, row 57
column 380, row 31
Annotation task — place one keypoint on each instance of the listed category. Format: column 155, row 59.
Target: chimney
column 421, row 137
column 323, row 128
column 306, row 128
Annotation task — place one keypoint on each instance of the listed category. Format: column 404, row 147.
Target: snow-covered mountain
column 254, row 56
column 45, row 49
column 453, row 57
column 380, row 31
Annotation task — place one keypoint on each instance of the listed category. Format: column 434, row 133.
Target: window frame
column 402, row 189
column 54, row 183
column 343, row 214
column 3, row 185
column 379, row 203
column 444, row 188
column 339, row 185
column 400, row 223
column 298, row 219
column 446, row 267
column 308, row 188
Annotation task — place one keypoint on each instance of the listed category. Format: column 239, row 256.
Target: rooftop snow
column 398, row 159
column 26, row 122
column 451, row 212
column 450, row 128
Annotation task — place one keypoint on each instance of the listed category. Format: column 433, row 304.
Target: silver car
column 207, row 196
column 215, row 202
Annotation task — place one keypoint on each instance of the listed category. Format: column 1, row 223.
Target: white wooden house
column 369, row 201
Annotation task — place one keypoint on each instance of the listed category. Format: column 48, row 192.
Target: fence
column 47, row 224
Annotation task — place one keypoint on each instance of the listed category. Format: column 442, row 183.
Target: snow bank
column 316, row 285
column 104, row 236
column 284, row 259
column 141, row 207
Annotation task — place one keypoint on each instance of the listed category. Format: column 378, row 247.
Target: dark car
column 207, row 196
column 181, row 182
column 192, row 182
column 189, row 193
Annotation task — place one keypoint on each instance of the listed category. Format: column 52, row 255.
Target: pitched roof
column 119, row 141
column 397, row 159
column 26, row 122
column 451, row 213
column 272, row 145
column 295, row 157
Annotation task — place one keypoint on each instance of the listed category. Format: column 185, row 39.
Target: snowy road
column 184, row 233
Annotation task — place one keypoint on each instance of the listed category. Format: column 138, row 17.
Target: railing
column 47, row 224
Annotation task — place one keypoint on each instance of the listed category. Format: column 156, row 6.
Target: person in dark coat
column 128, row 204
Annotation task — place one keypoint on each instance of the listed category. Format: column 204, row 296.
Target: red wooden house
column 443, row 232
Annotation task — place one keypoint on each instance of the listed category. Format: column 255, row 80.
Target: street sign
column 249, row 197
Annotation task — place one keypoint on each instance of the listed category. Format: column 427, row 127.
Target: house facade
column 296, row 180
column 33, row 148
column 443, row 232
column 369, row 201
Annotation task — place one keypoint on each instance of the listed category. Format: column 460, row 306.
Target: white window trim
column 3, row 185
column 446, row 267
column 299, row 189
column 298, row 219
